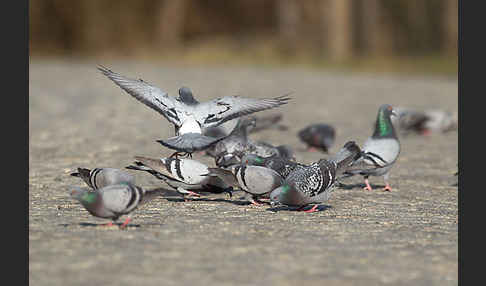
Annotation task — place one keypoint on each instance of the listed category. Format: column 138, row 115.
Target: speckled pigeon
column 313, row 184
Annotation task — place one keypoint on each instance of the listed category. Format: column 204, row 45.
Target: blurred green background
column 409, row 36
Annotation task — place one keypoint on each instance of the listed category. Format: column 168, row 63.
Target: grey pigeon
column 380, row 151
column 409, row 120
column 318, row 136
column 236, row 141
column 186, row 176
column 101, row 177
column 314, row 183
column 188, row 115
column 230, row 150
column 256, row 181
column 281, row 165
column 111, row 201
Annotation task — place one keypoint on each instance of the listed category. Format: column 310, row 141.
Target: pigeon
column 186, row 176
column 111, row 201
column 229, row 151
column 257, row 181
column 314, row 183
column 424, row 122
column 188, row 115
column 283, row 166
column 101, row 177
column 236, row 141
column 318, row 136
column 380, row 151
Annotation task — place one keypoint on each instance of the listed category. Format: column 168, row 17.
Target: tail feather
column 225, row 175
column 346, row 156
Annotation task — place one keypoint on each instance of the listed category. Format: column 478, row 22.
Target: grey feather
column 101, row 177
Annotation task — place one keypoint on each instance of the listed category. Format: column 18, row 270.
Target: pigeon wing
column 219, row 110
column 148, row 94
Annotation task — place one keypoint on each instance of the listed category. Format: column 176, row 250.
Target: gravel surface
column 78, row 118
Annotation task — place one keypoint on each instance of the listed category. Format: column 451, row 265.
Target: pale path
column 78, row 118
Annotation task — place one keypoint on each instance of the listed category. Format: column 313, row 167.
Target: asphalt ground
column 78, row 118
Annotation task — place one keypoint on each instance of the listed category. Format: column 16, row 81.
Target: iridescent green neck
column 89, row 197
column 383, row 127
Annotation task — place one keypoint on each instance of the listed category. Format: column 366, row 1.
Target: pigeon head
column 84, row 195
column 185, row 95
column 252, row 159
column 278, row 195
column 383, row 124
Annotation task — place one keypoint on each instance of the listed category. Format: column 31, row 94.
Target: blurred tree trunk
column 450, row 28
column 339, row 28
column 170, row 23
column 417, row 23
column 288, row 23
column 376, row 37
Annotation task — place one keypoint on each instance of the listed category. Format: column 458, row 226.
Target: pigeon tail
column 225, row 175
column 346, row 156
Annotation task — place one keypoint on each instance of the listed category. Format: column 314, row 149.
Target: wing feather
column 148, row 94
column 220, row 110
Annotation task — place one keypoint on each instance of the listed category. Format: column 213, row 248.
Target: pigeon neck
column 383, row 126
column 89, row 198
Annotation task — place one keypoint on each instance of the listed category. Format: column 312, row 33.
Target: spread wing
column 219, row 110
column 148, row 94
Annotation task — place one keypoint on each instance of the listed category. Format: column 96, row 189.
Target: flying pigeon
column 314, row 183
column 186, row 176
column 380, row 151
column 111, row 201
column 318, row 136
column 188, row 115
column 101, row 177
column 257, row 181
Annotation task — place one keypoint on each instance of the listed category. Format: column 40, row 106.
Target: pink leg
column 426, row 132
column 125, row 223
column 255, row 202
column 108, row 224
column 191, row 194
column 312, row 149
column 311, row 210
column 368, row 187
column 387, row 188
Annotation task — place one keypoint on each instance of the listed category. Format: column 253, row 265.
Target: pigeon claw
column 125, row 223
column 311, row 210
